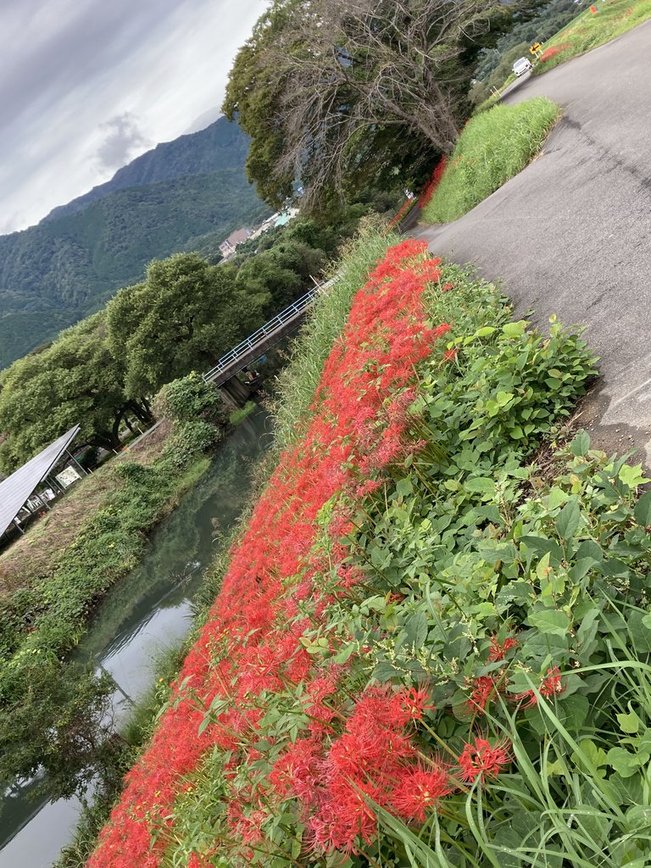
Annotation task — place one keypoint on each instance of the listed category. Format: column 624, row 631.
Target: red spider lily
column 484, row 690
column 554, row 50
column 550, row 686
column 426, row 196
column 483, row 760
column 419, row 790
column 498, row 651
column 251, row 648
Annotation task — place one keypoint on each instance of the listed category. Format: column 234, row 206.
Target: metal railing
column 258, row 337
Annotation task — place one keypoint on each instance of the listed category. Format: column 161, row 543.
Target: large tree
column 185, row 314
column 343, row 93
column 74, row 380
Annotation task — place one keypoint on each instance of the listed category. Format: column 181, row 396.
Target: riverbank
column 53, row 584
column 415, row 613
column 142, row 616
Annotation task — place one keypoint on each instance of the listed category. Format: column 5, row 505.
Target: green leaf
column 624, row 762
column 480, row 485
column 416, row 630
column 632, row 476
column 550, row 621
column 514, row 329
column 642, row 510
column 568, row 520
column 485, row 331
column 629, row 723
column 580, row 446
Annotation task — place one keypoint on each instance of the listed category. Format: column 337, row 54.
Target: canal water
column 147, row 613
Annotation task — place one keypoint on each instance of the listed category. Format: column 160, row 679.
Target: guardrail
column 285, row 316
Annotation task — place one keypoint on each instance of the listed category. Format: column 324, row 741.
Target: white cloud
column 89, row 84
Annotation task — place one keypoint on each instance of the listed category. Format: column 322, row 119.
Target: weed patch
column 494, row 146
column 588, row 30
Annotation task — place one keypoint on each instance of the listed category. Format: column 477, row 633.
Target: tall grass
column 493, row 147
column 589, row 30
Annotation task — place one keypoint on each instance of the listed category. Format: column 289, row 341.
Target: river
column 142, row 616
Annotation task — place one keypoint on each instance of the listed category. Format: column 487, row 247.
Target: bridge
column 263, row 339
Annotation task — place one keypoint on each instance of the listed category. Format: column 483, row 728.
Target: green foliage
column 52, row 715
column 70, row 264
column 190, row 439
column 536, row 24
column 588, row 31
column 183, row 317
column 369, row 95
column 74, row 380
column 189, row 398
column 494, row 146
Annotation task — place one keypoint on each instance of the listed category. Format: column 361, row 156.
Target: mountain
column 188, row 194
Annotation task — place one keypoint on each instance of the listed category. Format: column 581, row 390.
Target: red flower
column 419, row 790
column 450, row 355
column 415, row 702
column 499, row 652
column 484, row 689
column 551, row 683
column 550, row 686
column 482, row 760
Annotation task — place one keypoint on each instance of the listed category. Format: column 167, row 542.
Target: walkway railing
column 259, row 337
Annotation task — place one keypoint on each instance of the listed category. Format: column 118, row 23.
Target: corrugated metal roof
column 17, row 488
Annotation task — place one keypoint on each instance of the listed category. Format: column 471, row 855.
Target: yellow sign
column 535, row 49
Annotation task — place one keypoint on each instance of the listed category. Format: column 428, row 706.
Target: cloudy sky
column 87, row 85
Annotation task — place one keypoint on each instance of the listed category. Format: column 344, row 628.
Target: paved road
column 572, row 233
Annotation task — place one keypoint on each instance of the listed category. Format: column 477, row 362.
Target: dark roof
column 18, row 487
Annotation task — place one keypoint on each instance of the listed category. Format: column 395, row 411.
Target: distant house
column 227, row 248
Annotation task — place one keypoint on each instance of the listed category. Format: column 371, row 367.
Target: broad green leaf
column 568, row 520
column 629, row 723
column 416, row 630
column 632, row 476
column 624, row 762
column 581, row 444
column 642, row 510
column 480, row 485
column 514, row 329
column 550, row 621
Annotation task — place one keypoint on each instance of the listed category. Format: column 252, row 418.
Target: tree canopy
column 343, row 93
column 185, row 314
column 75, row 379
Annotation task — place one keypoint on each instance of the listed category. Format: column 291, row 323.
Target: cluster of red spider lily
column 352, row 751
column 552, row 51
column 426, row 196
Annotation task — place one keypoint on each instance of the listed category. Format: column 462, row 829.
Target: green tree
column 182, row 318
column 74, row 380
column 342, row 94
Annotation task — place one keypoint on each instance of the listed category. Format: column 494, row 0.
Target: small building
column 33, row 486
column 229, row 245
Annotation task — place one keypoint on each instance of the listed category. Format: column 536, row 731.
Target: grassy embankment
column 428, row 649
column 296, row 385
column 588, row 30
column 494, row 146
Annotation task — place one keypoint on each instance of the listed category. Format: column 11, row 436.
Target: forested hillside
column 186, row 194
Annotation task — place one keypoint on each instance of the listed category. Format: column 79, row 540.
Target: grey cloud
column 122, row 141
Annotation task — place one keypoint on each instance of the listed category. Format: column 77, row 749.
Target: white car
column 521, row 66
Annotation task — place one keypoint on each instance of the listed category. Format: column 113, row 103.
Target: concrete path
column 571, row 234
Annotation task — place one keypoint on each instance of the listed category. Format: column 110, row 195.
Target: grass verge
column 494, row 146
column 588, row 30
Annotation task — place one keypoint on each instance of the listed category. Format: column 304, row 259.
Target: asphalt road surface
column 571, row 234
